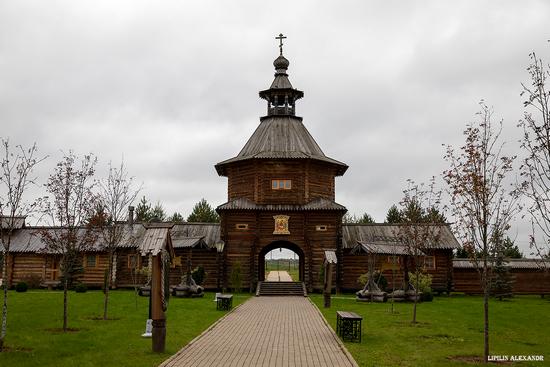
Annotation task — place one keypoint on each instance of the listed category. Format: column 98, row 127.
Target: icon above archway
column 281, row 224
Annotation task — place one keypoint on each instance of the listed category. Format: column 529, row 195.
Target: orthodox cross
column 280, row 38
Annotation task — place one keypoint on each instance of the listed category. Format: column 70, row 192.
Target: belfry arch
column 281, row 244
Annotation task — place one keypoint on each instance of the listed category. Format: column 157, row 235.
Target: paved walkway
column 279, row 276
column 267, row 331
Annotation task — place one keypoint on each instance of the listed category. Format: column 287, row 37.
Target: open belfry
column 281, row 191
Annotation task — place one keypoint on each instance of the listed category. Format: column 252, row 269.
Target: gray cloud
column 172, row 86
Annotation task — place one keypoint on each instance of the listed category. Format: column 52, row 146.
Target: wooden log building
column 281, row 194
column 527, row 276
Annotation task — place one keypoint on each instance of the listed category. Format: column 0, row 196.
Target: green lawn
column 448, row 326
column 118, row 342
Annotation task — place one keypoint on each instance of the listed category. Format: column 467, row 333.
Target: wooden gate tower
column 281, row 192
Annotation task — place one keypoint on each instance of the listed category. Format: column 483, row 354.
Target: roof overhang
column 383, row 249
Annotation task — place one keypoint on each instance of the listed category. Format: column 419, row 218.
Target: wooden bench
column 50, row 284
column 348, row 326
column 224, row 302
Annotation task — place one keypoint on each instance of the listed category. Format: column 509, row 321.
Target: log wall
column 247, row 246
column 199, row 257
column 252, row 180
column 46, row 268
column 525, row 281
column 26, row 265
column 126, row 275
column 94, row 276
column 357, row 264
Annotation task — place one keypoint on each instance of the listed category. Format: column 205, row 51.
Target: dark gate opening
column 271, row 258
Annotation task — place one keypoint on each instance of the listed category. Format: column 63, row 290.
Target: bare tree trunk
column 392, row 284
column 107, row 286
column 106, row 300
column 5, row 303
column 65, row 289
column 415, row 298
column 486, row 322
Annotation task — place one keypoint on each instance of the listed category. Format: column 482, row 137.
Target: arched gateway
column 281, row 192
column 286, row 245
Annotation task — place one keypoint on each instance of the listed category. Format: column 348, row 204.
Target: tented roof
column 281, row 137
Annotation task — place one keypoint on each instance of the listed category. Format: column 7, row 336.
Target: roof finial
column 280, row 38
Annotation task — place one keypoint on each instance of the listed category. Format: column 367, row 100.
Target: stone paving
column 267, row 331
column 279, row 276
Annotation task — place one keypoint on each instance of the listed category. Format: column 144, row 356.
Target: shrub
column 427, row 296
column 379, row 279
column 33, row 281
column 80, row 288
column 236, row 277
column 424, row 282
column 198, row 275
column 21, row 287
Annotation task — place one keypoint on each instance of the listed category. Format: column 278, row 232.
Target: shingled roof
column 247, row 204
column 512, row 263
column 156, row 239
column 381, row 249
column 28, row 239
column 186, row 234
column 281, row 137
column 385, row 234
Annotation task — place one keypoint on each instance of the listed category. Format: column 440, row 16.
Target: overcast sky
column 172, row 86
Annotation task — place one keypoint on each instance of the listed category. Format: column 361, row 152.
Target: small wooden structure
column 349, row 325
column 158, row 244
column 224, row 302
column 188, row 287
column 330, row 262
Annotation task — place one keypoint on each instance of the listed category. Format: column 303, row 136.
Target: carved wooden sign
column 281, row 224
column 176, row 261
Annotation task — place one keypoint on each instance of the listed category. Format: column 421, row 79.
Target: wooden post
column 218, row 270
column 328, row 283
column 159, row 321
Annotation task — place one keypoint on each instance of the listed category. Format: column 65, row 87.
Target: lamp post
column 219, row 259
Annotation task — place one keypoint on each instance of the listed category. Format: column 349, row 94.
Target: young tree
column 434, row 215
column 510, row 250
column 366, row 218
column 176, row 218
column 462, row 253
column 70, row 203
column 501, row 284
column 203, row 212
column 535, row 167
column 482, row 205
column 158, row 214
column 16, row 169
column 143, row 210
column 417, row 232
column 394, row 215
column 117, row 192
column 146, row 212
column 349, row 218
